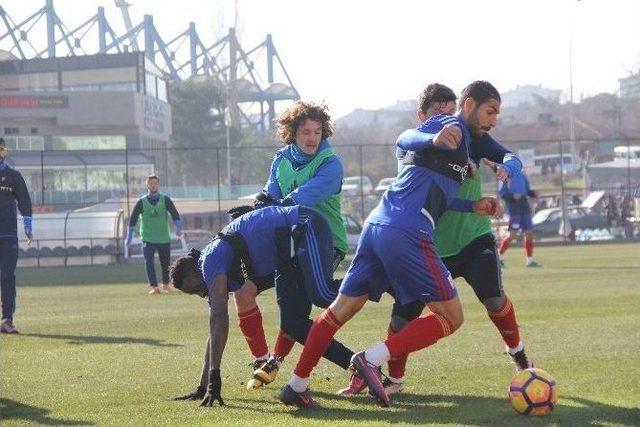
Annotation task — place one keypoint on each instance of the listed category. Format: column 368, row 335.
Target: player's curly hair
column 185, row 268
column 289, row 120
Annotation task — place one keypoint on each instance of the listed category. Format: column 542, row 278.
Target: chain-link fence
column 594, row 186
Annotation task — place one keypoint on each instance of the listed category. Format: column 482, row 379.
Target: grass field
column 96, row 350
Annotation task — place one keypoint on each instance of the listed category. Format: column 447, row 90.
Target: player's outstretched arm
column 218, row 332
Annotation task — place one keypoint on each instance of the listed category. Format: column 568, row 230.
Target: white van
column 627, row 152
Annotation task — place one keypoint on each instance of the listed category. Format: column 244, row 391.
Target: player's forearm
column 414, row 140
column 460, row 205
column 204, row 375
column 218, row 332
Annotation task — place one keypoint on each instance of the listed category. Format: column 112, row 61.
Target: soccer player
column 13, row 190
column 305, row 172
column 152, row 209
column 395, row 250
column 466, row 244
column 515, row 193
column 257, row 247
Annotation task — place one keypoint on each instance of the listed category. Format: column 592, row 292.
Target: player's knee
column 493, row 303
column 397, row 323
column 456, row 319
column 296, row 327
column 245, row 297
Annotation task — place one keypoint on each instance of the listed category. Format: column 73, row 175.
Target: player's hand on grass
column 197, row 394
column 487, row 206
column 213, row 391
column 237, row 211
column 449, row 137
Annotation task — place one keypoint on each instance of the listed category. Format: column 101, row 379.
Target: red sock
column 504, row 245
column 250, row 323
column 528, row 246
column 397, row 365
column 505, row 321
column 283, row 346
column 322, row 331
column 418, row 334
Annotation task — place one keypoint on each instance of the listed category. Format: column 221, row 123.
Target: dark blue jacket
column 12, row 189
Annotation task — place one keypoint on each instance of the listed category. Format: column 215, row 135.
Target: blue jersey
column 517, row 185
column 258, row 229
column 420, row 195
column 13, row 190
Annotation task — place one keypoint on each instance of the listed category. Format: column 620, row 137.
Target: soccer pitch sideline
column 95, row 349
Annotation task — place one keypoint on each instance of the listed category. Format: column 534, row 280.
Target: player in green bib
column 153, row 209
column 305, row 172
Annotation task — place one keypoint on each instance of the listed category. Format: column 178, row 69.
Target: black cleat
column 520, row 360
column 290, row 397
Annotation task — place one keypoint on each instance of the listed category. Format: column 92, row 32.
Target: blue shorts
column 403, row 261
column 520, row 222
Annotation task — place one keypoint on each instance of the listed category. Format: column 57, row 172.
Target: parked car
column 383, row 184
column 355, row 185
column 353, row 230
column 546, row 222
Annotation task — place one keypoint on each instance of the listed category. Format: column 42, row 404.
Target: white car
column 383, row 184
column 353, row 230
column 355, row 185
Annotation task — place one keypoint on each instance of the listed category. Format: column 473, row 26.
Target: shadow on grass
column 97, row 339
column 467, row 410
column 19, row 412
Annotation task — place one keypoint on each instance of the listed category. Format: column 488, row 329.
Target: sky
column 370, row 54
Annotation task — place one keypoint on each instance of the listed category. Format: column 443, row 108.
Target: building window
column 34, row 131
column 11, row 131
column 89, row 142
column 25, row 143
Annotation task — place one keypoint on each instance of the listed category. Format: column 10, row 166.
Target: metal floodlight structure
column 240, row 72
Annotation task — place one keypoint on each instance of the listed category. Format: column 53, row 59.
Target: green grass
column 96, row 350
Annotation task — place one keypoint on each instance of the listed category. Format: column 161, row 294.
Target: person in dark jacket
column 13, row 190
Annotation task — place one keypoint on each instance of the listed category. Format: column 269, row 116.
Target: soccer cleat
column 533, row 264
column 391, row 387
column 520, row 360
column 290, row 397
column 153, row 290
column 7, row 327
column 372, row 376
column 355, row 386
column 265, row 374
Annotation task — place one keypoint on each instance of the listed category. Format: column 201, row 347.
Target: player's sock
column 528, row 245
column 324, row 328
column 418, row 334
column 397, row 365
column 505, row 320
column 298, row 384
column 250, row 323
column 378, row 354
column 283, row 346
column 504, row 245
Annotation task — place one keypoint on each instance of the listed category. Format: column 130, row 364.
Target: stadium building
column 82, row 129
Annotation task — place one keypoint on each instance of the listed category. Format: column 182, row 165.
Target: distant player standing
column 515, row 193
column 152, row 209
column 13, row 190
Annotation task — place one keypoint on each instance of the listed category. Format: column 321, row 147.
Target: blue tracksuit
column 519, row 210
column 13, row 190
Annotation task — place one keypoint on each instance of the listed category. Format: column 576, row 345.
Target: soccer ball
column 533, row 392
